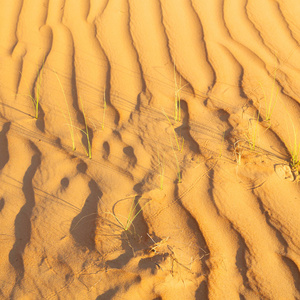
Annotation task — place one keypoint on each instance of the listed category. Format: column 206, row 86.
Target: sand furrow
column 125, row 83
column 259, row 247
column 22, row 220
column 290, row 12
column 220, row 246
column 154, row 55
column 264, row 22
column 90, row 86
column 243, row 31
column 4, row 145
column 193, row 52
column 9, row 22
column 84, row 224
column 17, row 209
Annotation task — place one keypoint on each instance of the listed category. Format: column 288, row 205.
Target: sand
column 149, row 149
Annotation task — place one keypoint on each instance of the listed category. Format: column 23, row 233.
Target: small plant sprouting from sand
column 88, row 151
column 133, row 213
column 70, row 119
column 36, row 101
column 271, row 101
column 174, row 132
column 37, row 94
column 104, row 109
column 238, row 152
column 86, row 132
column 295, row 156
column 294, row 149
column 292, row 144
column 252, row 135
column 178, row 89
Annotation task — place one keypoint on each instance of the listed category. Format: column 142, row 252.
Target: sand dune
column 149, row 149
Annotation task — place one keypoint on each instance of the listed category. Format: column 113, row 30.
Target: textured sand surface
column 198, row 202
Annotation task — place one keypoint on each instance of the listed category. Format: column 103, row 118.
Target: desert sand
column 149, row 149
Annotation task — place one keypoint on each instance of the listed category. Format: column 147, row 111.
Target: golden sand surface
column 149, row 149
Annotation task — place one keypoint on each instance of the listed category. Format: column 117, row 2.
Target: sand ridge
column 189, row 111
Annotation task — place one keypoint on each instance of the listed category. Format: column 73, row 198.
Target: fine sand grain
column 189, row 111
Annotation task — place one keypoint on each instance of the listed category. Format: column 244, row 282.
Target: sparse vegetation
column 252, row 134
column 133, row 213
column 294, row 149
column 70, row 123
column 86, row 132
column 35, row 99
column 175, row 135
column 178, row 89
column 270, row 101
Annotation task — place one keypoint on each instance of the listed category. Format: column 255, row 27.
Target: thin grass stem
column 70, row 119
